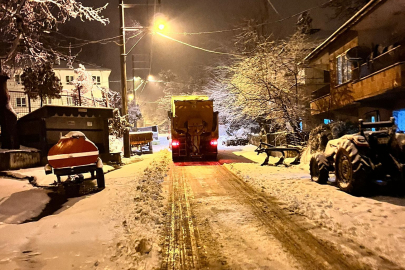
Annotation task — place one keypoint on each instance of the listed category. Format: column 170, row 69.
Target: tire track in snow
column 308, row 250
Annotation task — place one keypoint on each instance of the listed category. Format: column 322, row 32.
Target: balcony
column 380, row 82
column 321, row 92
column 381, row 62
column 375, row 79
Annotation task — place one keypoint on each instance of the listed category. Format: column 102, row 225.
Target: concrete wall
column 18, row 159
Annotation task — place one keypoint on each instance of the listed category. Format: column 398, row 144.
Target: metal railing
column 384, row 60
column 321, row 92
column 23, row 105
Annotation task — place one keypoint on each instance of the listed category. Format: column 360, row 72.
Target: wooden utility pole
column 123, row 59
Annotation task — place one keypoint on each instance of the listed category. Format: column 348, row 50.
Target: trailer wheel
column 100, row 178
column 150, row 148
column 351, row 169
column 318, row 168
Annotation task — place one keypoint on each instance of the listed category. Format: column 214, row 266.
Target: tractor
column 375, row 154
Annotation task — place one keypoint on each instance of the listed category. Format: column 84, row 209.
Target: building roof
column 63, row 66
column 88, row 69
column 368, row 8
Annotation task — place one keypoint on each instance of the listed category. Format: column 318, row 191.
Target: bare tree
column 231, row 114
column 26, row 37
column 83, row 83
column 27, row 27
column 267, row 83
column 41, row 82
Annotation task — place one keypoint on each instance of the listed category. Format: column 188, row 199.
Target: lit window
column 343, row 69
column 97, row 80
column 21, row 102
column 373, row 121
column 326, row 121
column 69, row 79
column 399, row 119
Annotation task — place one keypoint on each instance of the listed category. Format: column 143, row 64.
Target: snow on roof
column 369, row 7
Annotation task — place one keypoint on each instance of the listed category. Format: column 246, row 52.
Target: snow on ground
column 377, row 223
column 137, row 210
column 101, row 230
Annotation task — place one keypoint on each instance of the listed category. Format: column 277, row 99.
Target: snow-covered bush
column 319, row 136
column 117, row 124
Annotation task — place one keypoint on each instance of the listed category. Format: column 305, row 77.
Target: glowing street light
column 160, row 22
column 131, row 97
column 150, row 78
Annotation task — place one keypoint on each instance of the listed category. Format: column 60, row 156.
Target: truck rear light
column 175, row 143
column 214, row 142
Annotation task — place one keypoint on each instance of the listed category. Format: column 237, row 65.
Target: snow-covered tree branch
column 27, row 27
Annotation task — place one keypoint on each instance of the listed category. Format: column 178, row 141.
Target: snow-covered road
column 244, row 216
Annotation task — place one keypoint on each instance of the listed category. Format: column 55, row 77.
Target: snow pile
column 140, row 214
column 116, row 144
column 375, row 223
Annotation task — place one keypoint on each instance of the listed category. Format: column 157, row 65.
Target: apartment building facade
column 359, row 71
column 23, row 105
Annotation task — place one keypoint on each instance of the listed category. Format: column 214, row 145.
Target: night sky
column 188, row 16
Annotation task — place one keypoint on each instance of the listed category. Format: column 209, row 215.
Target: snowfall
column 121, row 227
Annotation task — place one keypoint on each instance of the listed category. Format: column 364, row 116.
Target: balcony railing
column 321, row 92
column 23, row 105
column 384, row 60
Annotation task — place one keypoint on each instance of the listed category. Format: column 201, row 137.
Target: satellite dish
column 358, row 53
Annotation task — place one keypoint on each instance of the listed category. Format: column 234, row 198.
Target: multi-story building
column 23, row 105
column 359, row 71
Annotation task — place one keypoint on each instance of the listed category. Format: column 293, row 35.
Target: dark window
column 69, row 79
column 326, row 76
column 97, row 80
column 17, row 79
column 21, row 102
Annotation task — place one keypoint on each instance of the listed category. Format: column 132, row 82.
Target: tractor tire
column 351, row 169
column 100, row 178
column 318, row 167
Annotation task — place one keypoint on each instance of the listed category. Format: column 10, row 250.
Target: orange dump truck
column 194, row 128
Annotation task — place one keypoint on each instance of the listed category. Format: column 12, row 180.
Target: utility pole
column 134, row 87
column 123, row 59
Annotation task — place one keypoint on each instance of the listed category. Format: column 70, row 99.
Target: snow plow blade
column 268, row 148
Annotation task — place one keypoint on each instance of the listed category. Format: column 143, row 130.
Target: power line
column 100, row 41
column 195, row 47
column 260, row 24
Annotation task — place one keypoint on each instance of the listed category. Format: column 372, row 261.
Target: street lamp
column 159, row 22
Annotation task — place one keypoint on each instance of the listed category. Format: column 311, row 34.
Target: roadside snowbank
column 138, row 211
column 377, row 223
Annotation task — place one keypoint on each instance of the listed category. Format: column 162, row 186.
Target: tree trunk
column 80, row 96
column 8, row 118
